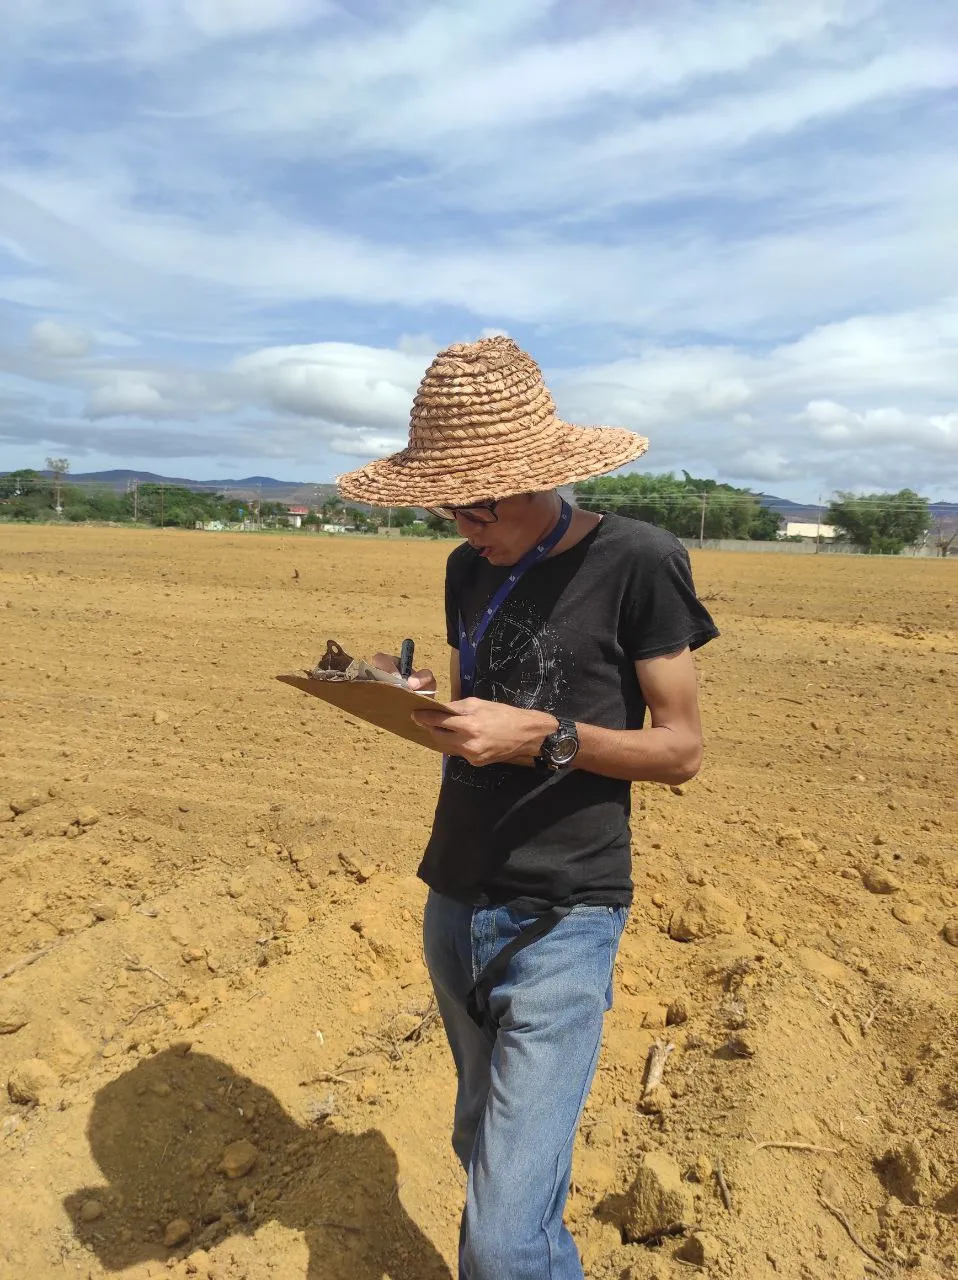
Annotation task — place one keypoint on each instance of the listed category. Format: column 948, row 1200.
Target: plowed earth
column 213, row 878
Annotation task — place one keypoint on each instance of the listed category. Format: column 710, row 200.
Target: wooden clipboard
column 386, row 705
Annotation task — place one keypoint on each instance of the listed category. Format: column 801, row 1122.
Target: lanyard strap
column 477, row 1000
column 469, row 644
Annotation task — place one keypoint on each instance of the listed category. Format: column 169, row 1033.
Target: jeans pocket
column 617, row 917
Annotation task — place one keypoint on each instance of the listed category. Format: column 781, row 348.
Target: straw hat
column 484, row 426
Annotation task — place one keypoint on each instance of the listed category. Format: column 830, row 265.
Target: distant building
column 296, row 515
column 810, row 532
column 333, row 528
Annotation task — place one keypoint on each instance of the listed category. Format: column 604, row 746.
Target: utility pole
column 705, row 499
column 818, row 527
column 59, row 467
column 161, row 505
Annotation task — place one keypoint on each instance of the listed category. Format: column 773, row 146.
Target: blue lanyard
column 469, row 644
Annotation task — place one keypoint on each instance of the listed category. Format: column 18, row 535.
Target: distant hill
column 247, row 487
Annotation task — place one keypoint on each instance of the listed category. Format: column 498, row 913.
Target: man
column 564, row 628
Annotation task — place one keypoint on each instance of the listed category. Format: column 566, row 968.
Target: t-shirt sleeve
column 663, row 614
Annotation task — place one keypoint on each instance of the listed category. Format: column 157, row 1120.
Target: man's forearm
column 484, row 732
column 658, row 754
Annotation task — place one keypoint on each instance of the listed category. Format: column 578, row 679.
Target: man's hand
column 487, row 732
column 423, row 681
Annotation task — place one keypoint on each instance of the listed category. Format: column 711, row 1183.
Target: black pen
column 405, row 658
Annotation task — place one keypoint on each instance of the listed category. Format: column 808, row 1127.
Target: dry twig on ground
column 24, row 961
column 144, row 1008
column 655, row 1065
column 331, row 1077
column 853, row 1235
column 866, row 1023
column 133, row 966
column 796, row 1146
column 722, row 1184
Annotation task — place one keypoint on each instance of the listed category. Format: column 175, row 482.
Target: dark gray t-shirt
column 565, row 641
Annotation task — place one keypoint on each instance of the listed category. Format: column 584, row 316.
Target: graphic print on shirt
column 523, row 663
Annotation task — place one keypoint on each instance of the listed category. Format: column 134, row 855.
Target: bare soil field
column 218, row 1055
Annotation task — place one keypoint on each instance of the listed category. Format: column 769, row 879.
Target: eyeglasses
column 477, row 513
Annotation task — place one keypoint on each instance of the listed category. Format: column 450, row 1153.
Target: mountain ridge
column 301, row 491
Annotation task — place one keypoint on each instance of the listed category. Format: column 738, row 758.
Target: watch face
column 563, row 750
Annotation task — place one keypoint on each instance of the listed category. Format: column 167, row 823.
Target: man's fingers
column 385, row 662
column 423, row 679
column 440, row 720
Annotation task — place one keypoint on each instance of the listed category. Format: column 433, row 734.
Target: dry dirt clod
column 24, row 803
column 950, row 932
column 656, row 1102
column 238, row 1158
column 705, row 914
column 160, row 716
column 677, row 1014
column 700, row 1249
column 70, row 1051
column 31, row 1081
column 907, row 913
column 658, row 1199
column 176, row 1232
column 198, row 1263
column 91, row 1211
column 742, row 1045
column 907, row 1173
column 701, row 1169
column 87, row 816
column 360, row 868
column 12, row 1019
column 878, row 880
column 295, row 919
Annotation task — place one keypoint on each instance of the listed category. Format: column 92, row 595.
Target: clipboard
column 389, row 706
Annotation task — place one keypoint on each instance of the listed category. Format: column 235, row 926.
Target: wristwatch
column 559, row 748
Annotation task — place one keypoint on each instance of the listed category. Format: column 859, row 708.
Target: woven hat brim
column 482, row 470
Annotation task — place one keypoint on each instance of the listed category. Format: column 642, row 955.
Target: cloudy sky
column 233, row 232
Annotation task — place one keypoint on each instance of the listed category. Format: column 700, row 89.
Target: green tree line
column 687, row 507
column 877, row 523
column 881, row 523
column 29, row 495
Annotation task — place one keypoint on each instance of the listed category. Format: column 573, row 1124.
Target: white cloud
column 128, row 397
column 838, row 424
column 228, row 18
column 734, row 235
column 60, row 341
column 146, row 31
column 336, row 381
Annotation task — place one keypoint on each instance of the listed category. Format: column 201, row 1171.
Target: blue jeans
column 524, row 1080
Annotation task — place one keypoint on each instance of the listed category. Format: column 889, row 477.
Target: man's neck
column 550, row 518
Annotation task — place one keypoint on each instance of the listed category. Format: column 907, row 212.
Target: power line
column 658, row 499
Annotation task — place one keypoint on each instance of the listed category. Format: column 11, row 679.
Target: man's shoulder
column 644, row 543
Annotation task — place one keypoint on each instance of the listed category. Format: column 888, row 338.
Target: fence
column 797, row 548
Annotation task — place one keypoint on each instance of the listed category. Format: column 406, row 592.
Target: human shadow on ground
column 159, row 1133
